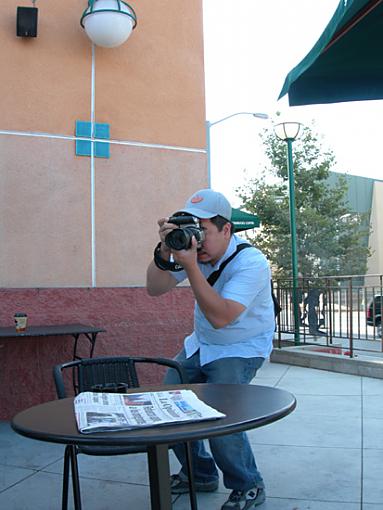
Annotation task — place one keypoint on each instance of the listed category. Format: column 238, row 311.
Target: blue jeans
column 232, row 453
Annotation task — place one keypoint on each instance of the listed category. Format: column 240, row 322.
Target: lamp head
column 108, row 23
column 287, row 130
column 263, row 116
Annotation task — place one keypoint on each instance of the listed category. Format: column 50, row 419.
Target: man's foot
column 317, row 332
column 244, row 500
column 180, row 485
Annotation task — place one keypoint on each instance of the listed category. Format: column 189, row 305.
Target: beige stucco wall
column 45, row 214
column 150, row 91
column 140, row 187
column 45, row 81
column 375, row 262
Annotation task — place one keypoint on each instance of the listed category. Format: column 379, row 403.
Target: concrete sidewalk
column 326, row 455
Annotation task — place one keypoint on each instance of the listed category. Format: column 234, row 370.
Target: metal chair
column 91, row 374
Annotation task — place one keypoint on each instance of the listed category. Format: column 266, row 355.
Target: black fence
column 333, row 311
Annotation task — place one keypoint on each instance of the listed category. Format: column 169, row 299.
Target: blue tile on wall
column 101, row 131
column 83, row 128
column 83, row 148
column 101, row 150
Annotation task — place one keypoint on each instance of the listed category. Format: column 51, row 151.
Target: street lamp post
column 288, row 132
column 210, row 124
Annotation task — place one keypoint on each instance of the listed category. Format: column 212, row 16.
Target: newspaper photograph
column 97, row 412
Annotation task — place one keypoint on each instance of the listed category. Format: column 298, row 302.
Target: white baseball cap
column 206, row 204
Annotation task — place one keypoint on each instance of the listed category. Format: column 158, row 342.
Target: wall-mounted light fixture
column 26, row 21
column 108, row 23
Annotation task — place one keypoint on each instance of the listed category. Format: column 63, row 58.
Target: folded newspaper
column 97, row 412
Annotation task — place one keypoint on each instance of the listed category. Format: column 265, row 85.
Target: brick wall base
column 135, row 324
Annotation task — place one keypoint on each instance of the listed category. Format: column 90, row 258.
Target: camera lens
column 179, row 239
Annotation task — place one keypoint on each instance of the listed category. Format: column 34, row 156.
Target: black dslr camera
column 181, row 238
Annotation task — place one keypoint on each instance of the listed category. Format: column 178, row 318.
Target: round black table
column 245, row 406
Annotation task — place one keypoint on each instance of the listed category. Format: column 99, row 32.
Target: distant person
column 313, row 306
column 300, row 299
column 234, row 326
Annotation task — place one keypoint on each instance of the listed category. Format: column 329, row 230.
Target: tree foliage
column 331, row 239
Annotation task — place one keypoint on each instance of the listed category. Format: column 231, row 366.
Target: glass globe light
column 108, row 23
column 287, row 130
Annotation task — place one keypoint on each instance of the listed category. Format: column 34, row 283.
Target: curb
column 328, row 358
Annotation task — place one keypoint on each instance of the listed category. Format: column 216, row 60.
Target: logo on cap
column 196, row 199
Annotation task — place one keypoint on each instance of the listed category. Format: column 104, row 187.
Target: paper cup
column 20, row 322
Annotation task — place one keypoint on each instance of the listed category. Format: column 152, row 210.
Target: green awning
column 346, row 63
column 243, row 220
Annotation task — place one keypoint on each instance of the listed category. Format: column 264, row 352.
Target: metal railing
column 342, row 312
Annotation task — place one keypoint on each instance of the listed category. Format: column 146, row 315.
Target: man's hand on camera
column 159, row 279
column 165, row 228
column 187, row 258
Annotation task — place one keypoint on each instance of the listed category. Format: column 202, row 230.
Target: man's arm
column 218, row 311
column 158, row 281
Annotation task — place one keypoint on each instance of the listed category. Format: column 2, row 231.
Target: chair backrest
column 88, row 373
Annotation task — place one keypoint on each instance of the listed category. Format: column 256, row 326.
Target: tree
column 331, row 239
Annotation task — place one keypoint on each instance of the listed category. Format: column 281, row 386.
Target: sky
column 250, row 46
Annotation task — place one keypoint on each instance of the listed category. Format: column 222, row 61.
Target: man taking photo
column 233, row 331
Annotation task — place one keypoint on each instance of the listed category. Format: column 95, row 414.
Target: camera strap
column 165, row 265
column 213, row 277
